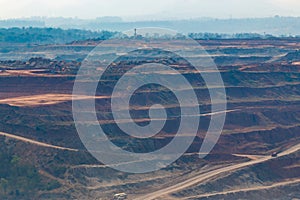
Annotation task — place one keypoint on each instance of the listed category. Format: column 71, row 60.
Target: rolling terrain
column 262, row 81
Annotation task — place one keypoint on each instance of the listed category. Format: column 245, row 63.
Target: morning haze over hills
column 276, row 25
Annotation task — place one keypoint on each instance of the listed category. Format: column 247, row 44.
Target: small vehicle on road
column 275, row 154
column 120, row 196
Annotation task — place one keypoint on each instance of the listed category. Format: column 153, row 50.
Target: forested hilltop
column 49, row 35
column 36, row 35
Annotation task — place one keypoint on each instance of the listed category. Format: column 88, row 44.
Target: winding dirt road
column 202, row 177
column 263, row 187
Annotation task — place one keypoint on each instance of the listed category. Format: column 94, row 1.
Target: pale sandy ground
column 251, row 157
column 44, row 99
column 42, row 144
column 31, row 72
column 264, row 187
column 296, row 63
column 161, row 119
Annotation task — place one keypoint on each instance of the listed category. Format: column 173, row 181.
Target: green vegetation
column 49, row 35
column 230, row 36
column 61, row 36
column 19, row 179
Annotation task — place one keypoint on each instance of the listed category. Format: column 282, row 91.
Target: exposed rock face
column 50, row 66
column 263, row 92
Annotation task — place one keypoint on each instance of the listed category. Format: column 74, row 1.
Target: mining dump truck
column 120, row 196
column 275, row 154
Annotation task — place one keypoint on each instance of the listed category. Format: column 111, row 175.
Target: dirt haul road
column 202, row 177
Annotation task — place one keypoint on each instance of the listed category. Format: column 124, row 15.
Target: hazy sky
column 149, row 9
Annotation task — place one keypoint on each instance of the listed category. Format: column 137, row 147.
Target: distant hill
column 49, row 35
column 272, row 25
